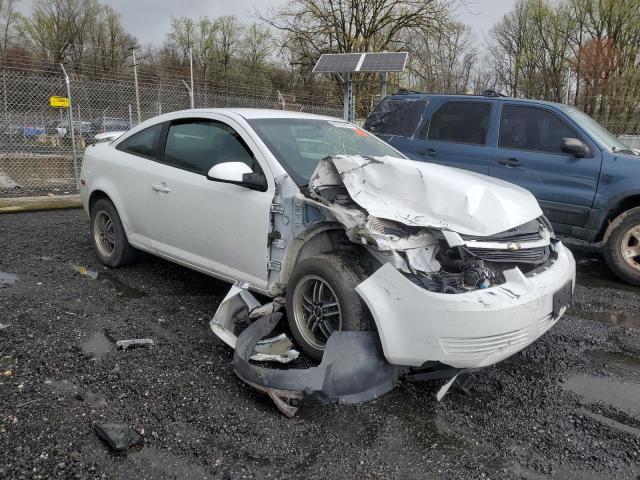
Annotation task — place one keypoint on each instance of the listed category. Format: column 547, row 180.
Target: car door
column 529, row 154
column 456, row 134
column 217, row 227
column 128, row 167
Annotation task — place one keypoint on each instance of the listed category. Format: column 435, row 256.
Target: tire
column 112, row 247
column 622, row 246
column 314, row 286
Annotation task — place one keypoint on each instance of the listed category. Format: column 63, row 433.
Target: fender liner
column 353, row 369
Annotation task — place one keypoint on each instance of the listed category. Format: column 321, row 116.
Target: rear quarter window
column 399, row 117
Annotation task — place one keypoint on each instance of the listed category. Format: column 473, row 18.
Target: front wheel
column 321, row 299
column 622, row 246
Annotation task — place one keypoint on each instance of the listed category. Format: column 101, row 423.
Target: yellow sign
column 62, row 102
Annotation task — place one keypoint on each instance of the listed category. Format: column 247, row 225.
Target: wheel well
column 334, row 240
column 95, row 196
column 622, row 206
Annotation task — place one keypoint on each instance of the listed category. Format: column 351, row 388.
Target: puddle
column 623, row 396
column 594, row 273
column 610, row 422
column 556, row 471
column 152, row 462
column 605, row 316
column 623, row 364
column 122, row 290
column 63, row 388
column 85, row 272
column 7, row 278
column 97, row 345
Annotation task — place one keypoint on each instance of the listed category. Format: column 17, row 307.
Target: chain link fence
column 35, row 144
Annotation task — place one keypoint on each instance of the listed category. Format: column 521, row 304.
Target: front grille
column 525, row 255
column 528, row 232
column 484, row 345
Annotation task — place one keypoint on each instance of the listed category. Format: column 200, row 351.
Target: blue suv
column 586, row 181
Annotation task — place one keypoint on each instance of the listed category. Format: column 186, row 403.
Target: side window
column 144, row 143
column 198, row 145
column 462, row 122
column 531, row 128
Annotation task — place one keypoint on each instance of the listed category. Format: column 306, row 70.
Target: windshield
column 601, row 134
column 300, row 143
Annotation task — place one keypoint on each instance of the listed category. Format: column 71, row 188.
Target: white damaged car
column 444, row 265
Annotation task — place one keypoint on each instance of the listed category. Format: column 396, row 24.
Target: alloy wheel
column 630, row 247
column 104, row 233
column 316, row 310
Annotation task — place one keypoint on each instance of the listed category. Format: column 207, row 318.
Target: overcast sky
column 149, row 20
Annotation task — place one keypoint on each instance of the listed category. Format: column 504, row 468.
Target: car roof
column 255, row 113
column 418, row 96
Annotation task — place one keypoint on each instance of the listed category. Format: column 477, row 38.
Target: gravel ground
column 567, row 407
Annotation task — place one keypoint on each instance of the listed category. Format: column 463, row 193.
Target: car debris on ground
column 117, row 436
column 133, row 343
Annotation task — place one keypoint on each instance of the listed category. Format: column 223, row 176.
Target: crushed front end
column 467, row 298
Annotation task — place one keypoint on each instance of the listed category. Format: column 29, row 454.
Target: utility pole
column 135, row 81
column 71, row 128
column 191, row 92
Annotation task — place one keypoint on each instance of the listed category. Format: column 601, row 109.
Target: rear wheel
column 622, row 246
column 108, row 235
column 321, row 299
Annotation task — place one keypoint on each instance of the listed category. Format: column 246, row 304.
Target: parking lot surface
column 566, row 407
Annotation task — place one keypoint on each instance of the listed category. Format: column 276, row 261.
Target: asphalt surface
column 566, row 407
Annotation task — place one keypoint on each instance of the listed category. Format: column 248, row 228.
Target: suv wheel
column 321, row 299
column 622, row 246
column 108, row 235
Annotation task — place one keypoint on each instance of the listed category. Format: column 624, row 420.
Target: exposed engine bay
column 438, row 259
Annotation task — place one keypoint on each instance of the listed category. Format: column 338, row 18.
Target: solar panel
column 338, row 63
column 384, row 62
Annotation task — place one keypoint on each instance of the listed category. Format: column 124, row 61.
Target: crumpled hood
column 429, row 195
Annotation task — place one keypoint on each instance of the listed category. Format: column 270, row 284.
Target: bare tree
column 255, row 48
column 227, row 33
column 9, row 18
column 442, row 61
column 108, row 40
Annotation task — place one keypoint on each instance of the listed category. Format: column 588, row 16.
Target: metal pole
column 383, row 85
column 346, row 87
column 130, row 117
column 71, row 129
column 191, row 71
column 190, row 93
column 135, row 81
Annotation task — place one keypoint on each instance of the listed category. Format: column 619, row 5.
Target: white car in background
column 446, row 265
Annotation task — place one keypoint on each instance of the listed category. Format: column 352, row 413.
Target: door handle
column 161, row 187
column 429, row 152
column 509, row 162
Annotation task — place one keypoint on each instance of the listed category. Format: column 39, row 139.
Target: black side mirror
column 574, row 147
column 255, row 181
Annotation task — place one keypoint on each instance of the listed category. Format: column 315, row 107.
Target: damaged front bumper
column 466, row 330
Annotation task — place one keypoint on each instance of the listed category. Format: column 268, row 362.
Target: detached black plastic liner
column 353, row 369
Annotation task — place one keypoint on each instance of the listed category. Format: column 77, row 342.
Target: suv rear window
column 461, row 122
column 399, row 117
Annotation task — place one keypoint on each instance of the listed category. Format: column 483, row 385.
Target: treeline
column 277, row 49
column 586, row 52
